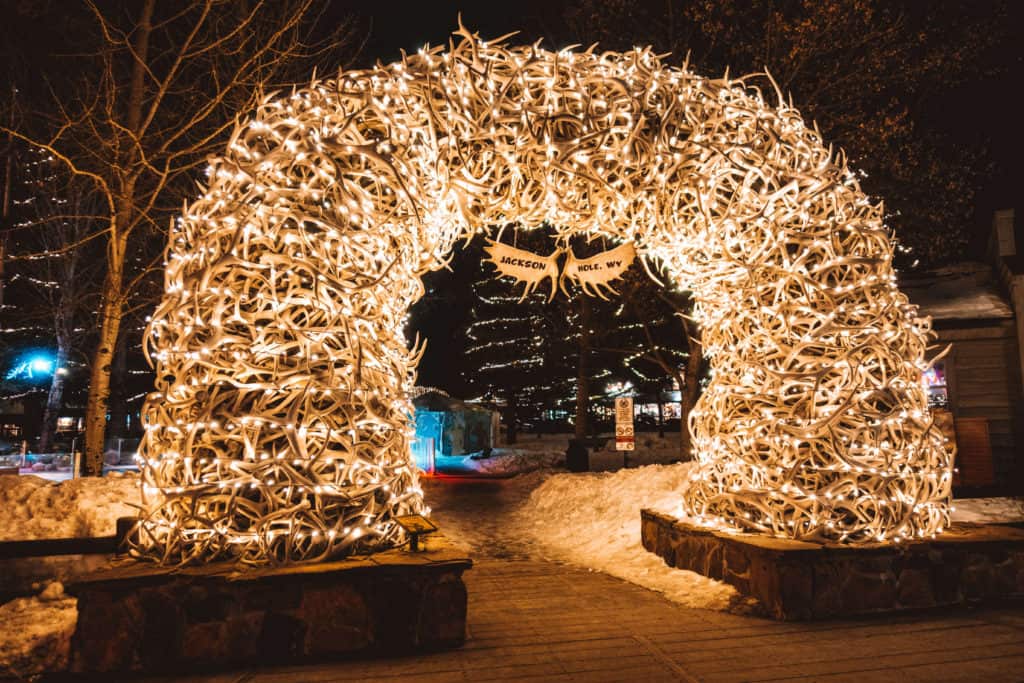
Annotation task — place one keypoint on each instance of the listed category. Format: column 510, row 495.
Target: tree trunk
column 583, row 370
column 112, row 308
column 661, row 415
column 99, row 375
column 689, row 387
column 55, row 397
column 117, row 402
column 511, row 418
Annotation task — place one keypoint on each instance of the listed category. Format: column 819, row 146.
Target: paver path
column 541, row 621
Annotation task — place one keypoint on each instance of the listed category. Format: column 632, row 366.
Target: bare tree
column 155, row 96
column 56, row 215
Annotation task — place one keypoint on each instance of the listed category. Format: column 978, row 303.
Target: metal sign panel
column 625, row 437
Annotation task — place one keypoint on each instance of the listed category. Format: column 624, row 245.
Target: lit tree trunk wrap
column 279, row 429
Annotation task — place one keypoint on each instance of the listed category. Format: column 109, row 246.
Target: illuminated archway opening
column 279, row 429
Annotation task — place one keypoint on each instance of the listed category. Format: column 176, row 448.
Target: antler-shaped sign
column 524, row 266
column 597, row 271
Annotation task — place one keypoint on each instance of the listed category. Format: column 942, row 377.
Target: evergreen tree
column 519, row 354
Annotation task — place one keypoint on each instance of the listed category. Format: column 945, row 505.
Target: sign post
column 625, row 439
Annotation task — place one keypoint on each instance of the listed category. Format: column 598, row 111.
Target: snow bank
column 33, row 507
column 988, row 510
column 532, row 453
column 652, row 450
column 511, row 460
column 593, row 520
column 35, row 633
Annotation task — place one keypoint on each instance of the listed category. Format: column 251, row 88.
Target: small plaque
column 416, row 524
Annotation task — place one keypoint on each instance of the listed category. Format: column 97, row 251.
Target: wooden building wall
column 984, row 379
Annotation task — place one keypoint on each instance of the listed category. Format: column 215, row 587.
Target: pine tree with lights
column 519, row 353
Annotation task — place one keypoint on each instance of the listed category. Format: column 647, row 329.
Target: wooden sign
column 416, row 524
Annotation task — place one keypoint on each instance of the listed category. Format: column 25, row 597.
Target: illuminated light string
column 280, row 426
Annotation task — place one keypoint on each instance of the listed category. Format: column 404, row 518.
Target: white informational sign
column 625, row 437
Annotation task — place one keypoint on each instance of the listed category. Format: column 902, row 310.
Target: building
column 977, row 387
column 449, row 427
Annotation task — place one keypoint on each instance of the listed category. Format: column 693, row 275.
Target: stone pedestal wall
column 801, row 580
column 141, row 618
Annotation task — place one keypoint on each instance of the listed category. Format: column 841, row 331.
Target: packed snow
column 35, row 633
column 527, row 455
column 593, row 520
column 988, row 510
column 961, row 291
column 34, row 507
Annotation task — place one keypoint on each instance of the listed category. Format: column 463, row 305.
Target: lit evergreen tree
column 519, row 354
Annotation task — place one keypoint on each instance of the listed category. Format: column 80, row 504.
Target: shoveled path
column 530, row 619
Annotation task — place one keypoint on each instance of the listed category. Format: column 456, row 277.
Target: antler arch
column 279, row 429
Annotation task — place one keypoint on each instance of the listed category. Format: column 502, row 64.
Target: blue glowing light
column 42, row 365
column 35, row 366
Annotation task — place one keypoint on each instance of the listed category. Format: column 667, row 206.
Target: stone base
column 139, row 617
column 797, row 580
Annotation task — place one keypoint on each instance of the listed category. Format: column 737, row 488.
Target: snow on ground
column 593, row 520
column 547, row 451
column 35, row 633
column 988, row 510
column 33, row 507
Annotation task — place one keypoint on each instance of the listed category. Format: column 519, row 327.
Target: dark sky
column 402, row 25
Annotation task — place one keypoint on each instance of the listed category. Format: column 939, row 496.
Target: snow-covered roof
column 964, row 291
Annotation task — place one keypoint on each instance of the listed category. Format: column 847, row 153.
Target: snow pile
column 35, row 633
column 532, row 453
column 514, row 461
column 34, row 507
column 988, row 510
column 651, row 449
column 593, row 520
